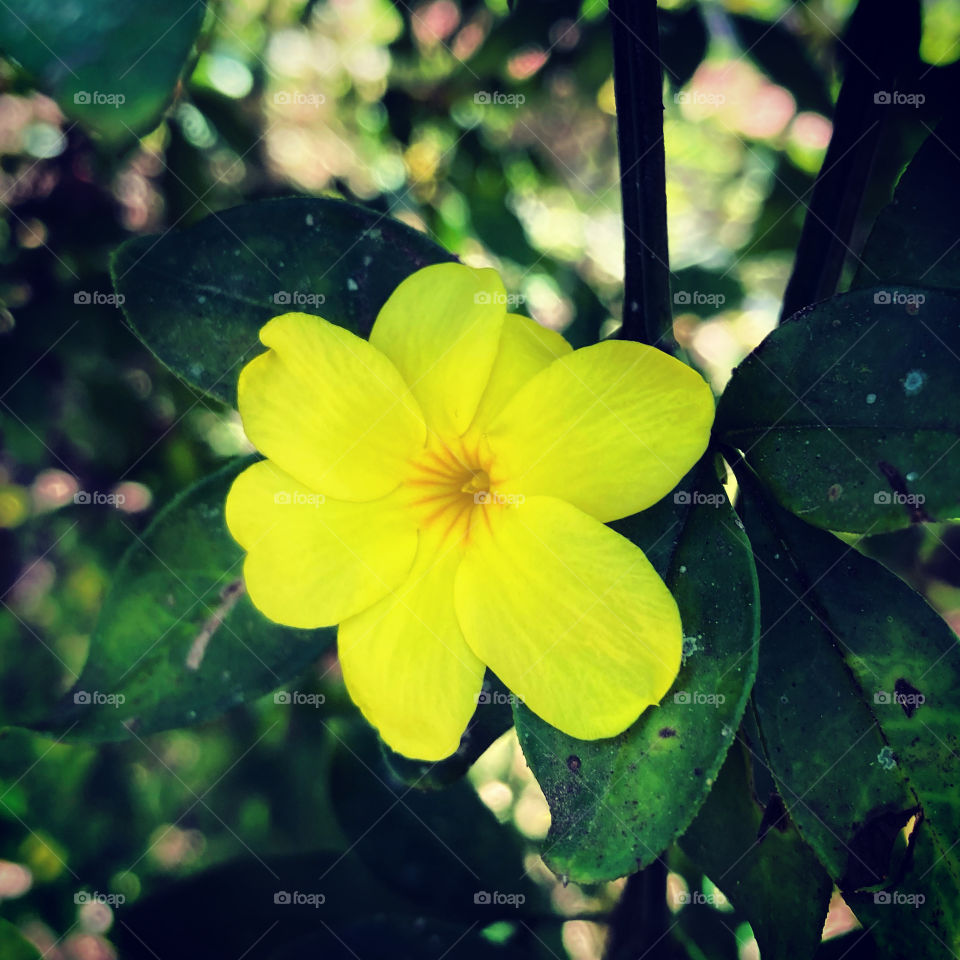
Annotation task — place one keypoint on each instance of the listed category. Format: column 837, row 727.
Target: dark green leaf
column 759, row 861
column 13, row 945
column 853, row 768
column 616, row 804
column 411, row 838
column 848, row 411
column 198, row 298
column 683, row 42
column 178, row 641
column 914, row 240
column 110, row 64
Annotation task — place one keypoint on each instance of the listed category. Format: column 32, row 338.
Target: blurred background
column 495, row 133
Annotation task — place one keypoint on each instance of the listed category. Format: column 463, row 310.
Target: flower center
column 449, row 485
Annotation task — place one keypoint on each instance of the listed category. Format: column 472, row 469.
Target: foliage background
column 382, row 104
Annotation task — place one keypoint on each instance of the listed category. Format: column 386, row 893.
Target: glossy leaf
column 178, row 641
column 760, row 862
column 855, row 762
column 914, row 239
column 14, row 946
column 848, row 412
column 617, row 804
column 198, row 298
column 110, row 65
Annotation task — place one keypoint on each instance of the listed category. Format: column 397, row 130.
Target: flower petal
column 525, row 349
column 569, row 615
column 441, row 327
column 329, row 409
column 611, row 428
column 313, row 561
column 407, row 666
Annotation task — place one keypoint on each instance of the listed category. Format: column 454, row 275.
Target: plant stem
column 882, row 38
column 638, row 87
column 640, row 921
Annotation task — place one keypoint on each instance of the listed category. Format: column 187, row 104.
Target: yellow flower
column 440, row 492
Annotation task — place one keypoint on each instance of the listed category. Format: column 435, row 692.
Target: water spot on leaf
column 573, row 763
column 913, row 382
column 309, row 219
column 667, row 732
column 886, row 758
column 871, row 398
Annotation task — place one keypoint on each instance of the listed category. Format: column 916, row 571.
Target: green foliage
column 855, row 697
column 178, row 641
column 199, row 298
column 13, row 944
column 858, row 436
column 110, row 65
column 617, row 804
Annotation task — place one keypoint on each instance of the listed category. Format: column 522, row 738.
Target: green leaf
column 765, row 869
column 852, row 768
column 14, row 946
column 914, row 239
column 110, row 64
column 617, row 804
column 198, row 298
column 410, row 838
column 178, row 641
column 848, row 412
